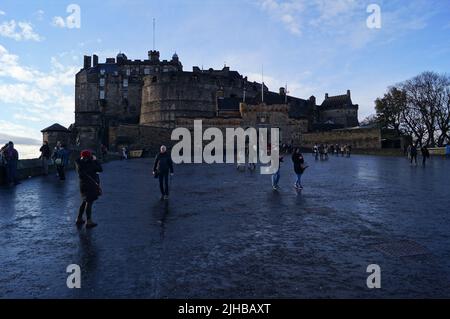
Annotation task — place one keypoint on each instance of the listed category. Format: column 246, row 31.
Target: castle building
column 134, row 102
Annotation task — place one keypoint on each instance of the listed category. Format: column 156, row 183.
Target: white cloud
column 36, row 96
column 2, row 13
column 39, row 15
column 18, row 130
column 58, row 22
column 286, row 12
column 19, row 31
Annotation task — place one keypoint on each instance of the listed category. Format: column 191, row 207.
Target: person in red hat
column 88, row 168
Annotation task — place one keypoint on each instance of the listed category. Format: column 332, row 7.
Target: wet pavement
column 226, row 234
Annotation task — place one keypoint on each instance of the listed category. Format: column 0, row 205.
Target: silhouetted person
column 61, row 160
column 45, row 157
column 161, row 169
column 425, row 154
column 11, row 158
column 413, row 154
column 87, row 168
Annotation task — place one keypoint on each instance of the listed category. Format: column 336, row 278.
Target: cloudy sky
column 315, row 46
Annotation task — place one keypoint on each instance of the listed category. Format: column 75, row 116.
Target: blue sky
column 315, row 46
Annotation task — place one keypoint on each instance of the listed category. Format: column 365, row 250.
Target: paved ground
column 227, row 234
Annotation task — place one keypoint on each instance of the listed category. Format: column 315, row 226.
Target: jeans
column 299, row 180
column 164, row 183
column 11, row 172
column 275, row 179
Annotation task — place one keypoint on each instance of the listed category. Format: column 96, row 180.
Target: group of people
column 59, row 156
column 298, row 166
column 412, row 153
column 321, row 151
column 9, row 157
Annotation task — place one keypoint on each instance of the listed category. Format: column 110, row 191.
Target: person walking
column 45, row 157
column 413, row 154
column 315, row 151
column 276, row 175
column 11, row 158
column 87, row 168
column 61, row 159
column 425, row 154
column 161, row 169
column 299, row 167
column 124, row 153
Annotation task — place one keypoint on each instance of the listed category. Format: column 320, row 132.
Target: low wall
column 33, row 167
column 362, row 139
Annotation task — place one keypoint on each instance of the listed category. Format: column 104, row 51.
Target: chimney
column 348, row 93
column 94, row 60
column 282, row 91
column 87, row 62
column 153, row 56
column 326, row 96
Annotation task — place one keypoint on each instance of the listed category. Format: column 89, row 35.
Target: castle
column 138, row 102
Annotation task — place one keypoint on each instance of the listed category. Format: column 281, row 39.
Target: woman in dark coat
column 87, row 169
column 299, row 167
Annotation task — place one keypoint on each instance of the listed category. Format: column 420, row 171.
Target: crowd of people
column 322, row 151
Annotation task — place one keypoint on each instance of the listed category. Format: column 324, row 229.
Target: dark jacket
column 87, row 170
column 63, row 154
column 425, row 152
column 45, row 151
column 298, row 161
column 163, row 163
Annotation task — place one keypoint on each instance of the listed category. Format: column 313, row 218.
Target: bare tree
column 419, row 107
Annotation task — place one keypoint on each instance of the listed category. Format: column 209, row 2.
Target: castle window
column 102, row 71
column 102, row 82
column 146, row 71
column 165, row 70
column 125, row 83
column 102, row 95
column 128, row 72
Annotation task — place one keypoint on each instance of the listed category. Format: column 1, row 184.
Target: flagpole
column 262, row 83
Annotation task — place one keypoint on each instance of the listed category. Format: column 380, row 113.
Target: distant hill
column 5, row 138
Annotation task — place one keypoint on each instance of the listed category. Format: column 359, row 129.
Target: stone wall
column 360, row 138
column 139, row 137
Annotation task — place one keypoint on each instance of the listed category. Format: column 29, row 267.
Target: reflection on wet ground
column 227, row 234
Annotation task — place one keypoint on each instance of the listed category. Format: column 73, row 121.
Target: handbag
column 58, row 161
column 99, row 189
